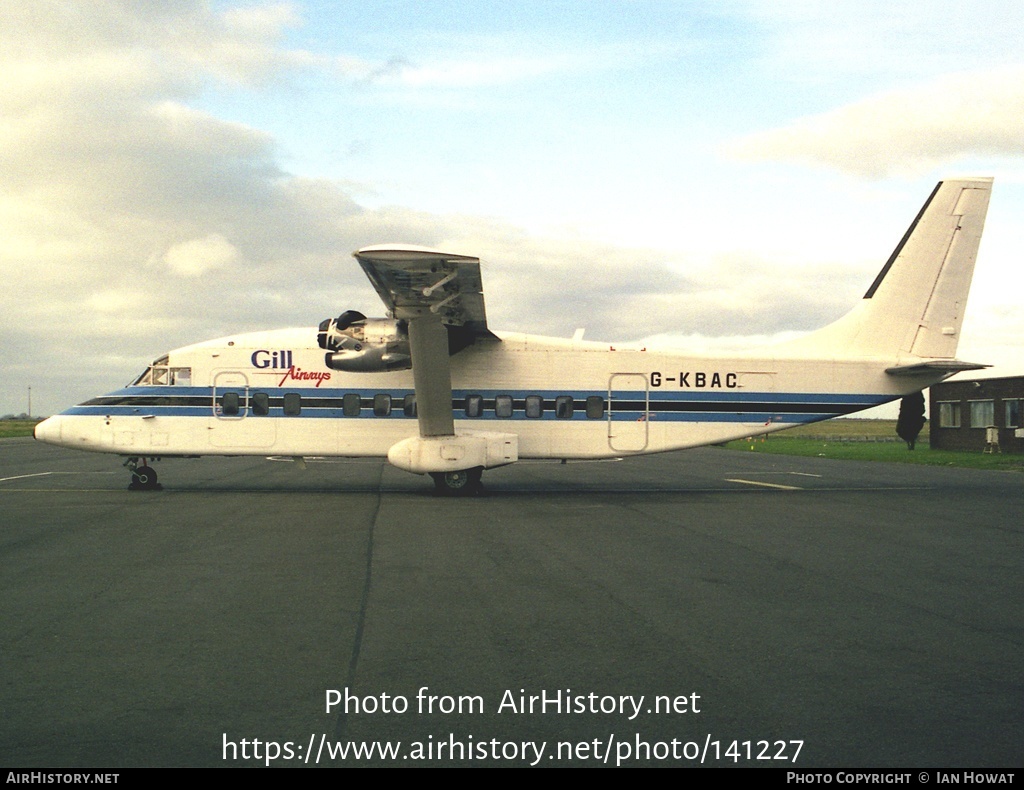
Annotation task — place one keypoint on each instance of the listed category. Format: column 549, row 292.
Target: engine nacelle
column 357, row 344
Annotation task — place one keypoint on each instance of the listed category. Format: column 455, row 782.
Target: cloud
column 843, row 42
column 198, row 256
column 907, row 131
column 551, row 286
column 473, row 72
column 72, row 43
column 134, row 223
column 460, row 63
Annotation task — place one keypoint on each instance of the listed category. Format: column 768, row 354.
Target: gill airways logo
column 275, row 360
column 281, row 362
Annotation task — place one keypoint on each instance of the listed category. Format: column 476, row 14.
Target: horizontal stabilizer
column 935, row 366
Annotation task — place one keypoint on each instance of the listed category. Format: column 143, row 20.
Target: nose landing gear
column 143, row 476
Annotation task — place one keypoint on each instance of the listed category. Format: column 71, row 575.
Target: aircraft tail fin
column 915, row 306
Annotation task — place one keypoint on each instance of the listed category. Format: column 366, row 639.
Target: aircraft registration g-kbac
column 434, row 389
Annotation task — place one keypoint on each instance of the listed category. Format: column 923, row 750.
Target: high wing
column 412, row 277
column 441, row 298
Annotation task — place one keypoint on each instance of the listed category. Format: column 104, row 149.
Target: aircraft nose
column 48, row 431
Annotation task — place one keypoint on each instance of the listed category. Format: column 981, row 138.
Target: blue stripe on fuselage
column 663, row 406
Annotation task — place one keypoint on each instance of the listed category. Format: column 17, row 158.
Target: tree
column 911, row 419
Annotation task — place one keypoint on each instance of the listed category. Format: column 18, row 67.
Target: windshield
column 159, row 374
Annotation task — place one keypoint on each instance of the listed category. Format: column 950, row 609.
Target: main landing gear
column 143, row 476
column 464, row 482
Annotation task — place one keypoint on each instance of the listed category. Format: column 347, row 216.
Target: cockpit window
column 159, row 375
column 147, row 377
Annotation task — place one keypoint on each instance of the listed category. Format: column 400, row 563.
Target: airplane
column 436, row 391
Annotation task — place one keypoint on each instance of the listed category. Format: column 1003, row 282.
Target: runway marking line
column 778, row 474
column 21, row 477
column 766, row 485
column 495, row 492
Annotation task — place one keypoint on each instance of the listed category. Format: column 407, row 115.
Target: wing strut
column 441, row 299
column 431, row 371
column 440, row 295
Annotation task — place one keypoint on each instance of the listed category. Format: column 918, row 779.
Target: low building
column 978, row 414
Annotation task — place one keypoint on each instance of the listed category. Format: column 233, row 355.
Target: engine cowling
column 357, row 344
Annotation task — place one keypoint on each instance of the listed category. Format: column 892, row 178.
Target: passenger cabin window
column 595, row 407
column 351, row 404
column 292, row 404
column 474, row 405
column 563, row 407
column 260, row 404
column 503, row 406
column 381, row 405
column 409, row 405
column 229, row 404
column 534, row 406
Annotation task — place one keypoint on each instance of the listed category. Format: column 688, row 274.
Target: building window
column 351, row 404
column 292, row 404
column 949, row 414
column 1013, row 414
column 982, row 413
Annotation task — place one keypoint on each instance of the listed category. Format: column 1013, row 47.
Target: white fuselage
column 270, row 393
column 339, row 390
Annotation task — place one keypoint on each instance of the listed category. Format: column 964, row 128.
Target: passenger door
column 233, row 423
column 628, row 412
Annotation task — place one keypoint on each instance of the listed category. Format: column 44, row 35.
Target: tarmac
column 708, row 607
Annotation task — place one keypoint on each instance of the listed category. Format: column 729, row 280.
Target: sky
column 709, row 174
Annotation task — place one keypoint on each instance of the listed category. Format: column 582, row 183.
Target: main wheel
column 459, row 483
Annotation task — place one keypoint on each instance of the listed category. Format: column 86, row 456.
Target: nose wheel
column 464, row 482
column 143, row 476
